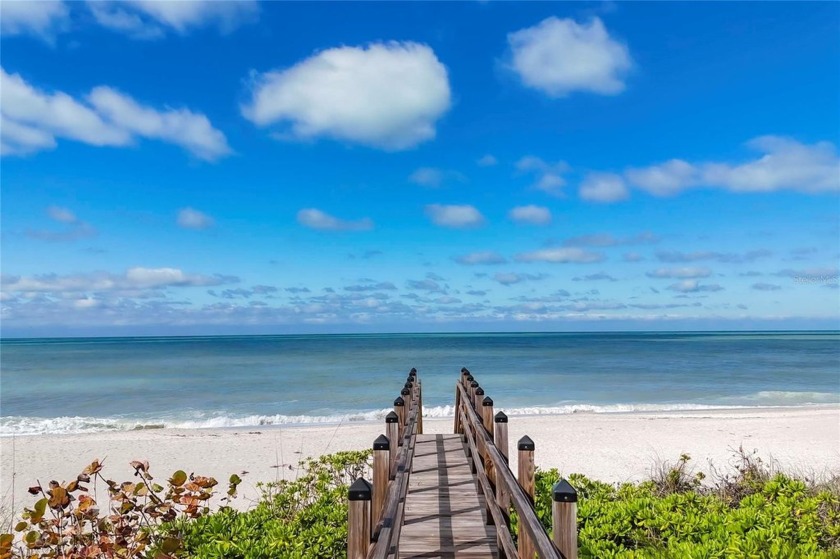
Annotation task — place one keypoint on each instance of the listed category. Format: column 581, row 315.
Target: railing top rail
column 386, row 533
column 521, row 501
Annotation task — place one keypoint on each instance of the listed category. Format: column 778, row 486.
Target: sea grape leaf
column 178, row 478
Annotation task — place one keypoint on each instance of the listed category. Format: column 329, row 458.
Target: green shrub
column 300, row 519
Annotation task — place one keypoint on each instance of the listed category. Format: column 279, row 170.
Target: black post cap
column 474, row 384
column 392, row 417
column 405, row 392
column 525, row 443
column 413, row 371
column 487, row 401
column 563, row 492
column 500, row 417
column 361, row 490
column 479, row 391
column 470, row 378
column 399, row 401
column 464, row 371
column 408, row 385
column 382, row 443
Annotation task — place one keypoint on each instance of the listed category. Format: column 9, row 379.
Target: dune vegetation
column 749, row 512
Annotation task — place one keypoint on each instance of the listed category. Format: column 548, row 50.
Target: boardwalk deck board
column 444, row 514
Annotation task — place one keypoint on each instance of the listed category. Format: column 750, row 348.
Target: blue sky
column 209, row 167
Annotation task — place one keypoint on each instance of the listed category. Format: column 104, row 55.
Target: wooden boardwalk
column 444, row 514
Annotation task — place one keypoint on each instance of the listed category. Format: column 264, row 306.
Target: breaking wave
column 23, row 425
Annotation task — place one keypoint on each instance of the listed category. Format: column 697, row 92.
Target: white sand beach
column 608, row 447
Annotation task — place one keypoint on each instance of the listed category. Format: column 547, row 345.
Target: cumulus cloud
column 675, row 256
column 560, row 56
column 316, row 219
column 561, row 256
column 665, row 179
column 190, row 218
column 609, row 240
column 603, row 187
column 31, row 120
column 783, row 164
column 62, row 215
column 549, row 176
column 378, row 286
column 683, row 273
column 133, row 278
column 73, row 228
column 693, row 286
column 384, row 95
column 487, row 161
column 149, row 19
column 530, row 215
column 42, row 19
column 484, row 257
column 600, row 276
column 427, row 284
column 454, row 216
column 766, row 287
column 510, row 278
column 433, row 177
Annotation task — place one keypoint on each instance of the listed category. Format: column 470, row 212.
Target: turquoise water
column 95, row 384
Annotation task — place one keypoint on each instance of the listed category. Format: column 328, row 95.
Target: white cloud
column 484, row 257
column 132, row 279
column 42, row 18
column 33, row 119
column 532, row 215
column 549, row 175
column 487, row 161
column 190, row 218
column 693, row 286
column 603, row 187
column 62, row 215
column 433, row 177
column 785, row 164
column 456, row 217
column 691, row 273
column 316, row 219
column 181, row 127
column 385, row 95
column 561, row 256
column 510, row 278
column 559, row 56
column 148, row 19
column 666, row 179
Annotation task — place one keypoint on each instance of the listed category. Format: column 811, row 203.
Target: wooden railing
column 486, row 437
column 376, row 511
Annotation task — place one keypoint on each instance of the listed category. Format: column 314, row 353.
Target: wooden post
column 358, row 519
column 393, row 433
column 526, row 481
column 487, row 421
column 500, row 439
column 564, row 518
column 473, row 387
column 457, row 428
column 420, row 409
column 399, row 409
column 467, row 382
column 381, row 473
column 479, row 396
column 405, row 393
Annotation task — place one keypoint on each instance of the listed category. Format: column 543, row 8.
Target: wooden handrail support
column 376, row 513
column 501, row 489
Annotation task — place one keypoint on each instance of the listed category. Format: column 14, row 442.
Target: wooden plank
column 444, row 515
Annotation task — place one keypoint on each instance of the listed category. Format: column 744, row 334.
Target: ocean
column 77, row 385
